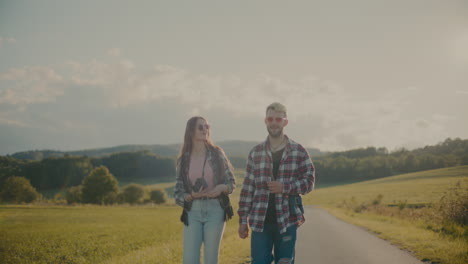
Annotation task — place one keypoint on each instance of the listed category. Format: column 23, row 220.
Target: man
column 277, row 171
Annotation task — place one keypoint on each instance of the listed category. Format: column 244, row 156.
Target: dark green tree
column 158, row 196
column 129, row 166
column 10, row 167
column 74, row 194
column 58, row 173
column 98, row 184
column 133, row 193
column 18, row 190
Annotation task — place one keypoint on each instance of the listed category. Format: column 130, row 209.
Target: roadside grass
column 405, row 210
column 411, row 235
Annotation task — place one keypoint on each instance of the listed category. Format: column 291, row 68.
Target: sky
column 89, row 74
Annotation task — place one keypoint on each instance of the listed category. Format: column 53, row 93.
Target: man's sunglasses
column 205, row 126
column 277, row 119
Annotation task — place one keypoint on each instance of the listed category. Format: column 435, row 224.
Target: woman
column 204, row 180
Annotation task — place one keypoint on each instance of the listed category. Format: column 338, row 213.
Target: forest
column 63, row 172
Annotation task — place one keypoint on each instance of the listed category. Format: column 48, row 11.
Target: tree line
column 336, row 167
column 371, row 163
column 62, row 172
column 98, row 187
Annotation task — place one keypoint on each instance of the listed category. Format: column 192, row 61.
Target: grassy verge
column 384, row 207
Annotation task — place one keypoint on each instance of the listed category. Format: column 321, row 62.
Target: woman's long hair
column 188, row 140
column 190, row 133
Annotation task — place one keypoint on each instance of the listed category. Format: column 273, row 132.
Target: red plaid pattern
column 296, row 172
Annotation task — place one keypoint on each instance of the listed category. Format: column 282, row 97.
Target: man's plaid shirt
column 296, row 172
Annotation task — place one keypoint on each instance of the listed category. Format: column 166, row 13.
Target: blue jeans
column 206, row 225
column 263, row 243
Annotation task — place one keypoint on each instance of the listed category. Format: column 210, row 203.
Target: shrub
column 402, row 204
column 112, row 198
column 133, row 193
column 18, row 190
column 453, row 206
column 358, row 208
column 97, row 185
column 158, row 196
column 377, row 200
column 73, row 194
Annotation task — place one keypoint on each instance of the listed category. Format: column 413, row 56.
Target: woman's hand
column 217, row 191
column 199, row 194
column 188, row 198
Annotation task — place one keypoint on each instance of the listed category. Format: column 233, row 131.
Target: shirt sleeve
column 179, row 190
column 247, row 192
column 229, row 181
column 304, row 182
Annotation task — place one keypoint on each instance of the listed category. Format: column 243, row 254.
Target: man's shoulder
column 295, row 144
column 258, row 148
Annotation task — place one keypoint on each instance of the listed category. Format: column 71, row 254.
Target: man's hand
column 275, row 187
column 217, row 191
column 243, row 231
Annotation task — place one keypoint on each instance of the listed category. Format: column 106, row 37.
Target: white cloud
column 322, row 112
column 459, row 46
column 11, row 122
column 115, row 52
column 7, row 40
column 442, row 117
column 30, row 85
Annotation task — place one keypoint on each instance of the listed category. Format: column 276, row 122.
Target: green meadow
column 406, row 210
column 102, row 234
column 153, row 234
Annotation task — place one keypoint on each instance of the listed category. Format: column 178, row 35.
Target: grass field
column 412, row 229
column 153, row 234
column 95, row 234
column 105, row 234
column 415, row 188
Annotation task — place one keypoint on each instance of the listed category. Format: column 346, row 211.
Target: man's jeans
column 206, row 225
column 262, row 244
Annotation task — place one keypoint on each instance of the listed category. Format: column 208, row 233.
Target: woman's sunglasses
column 277, row 119
column 202, row 127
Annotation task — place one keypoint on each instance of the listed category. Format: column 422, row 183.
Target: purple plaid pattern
column 296, row 172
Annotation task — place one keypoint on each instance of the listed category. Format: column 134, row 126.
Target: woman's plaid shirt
column 296, row 172
column 222, row 174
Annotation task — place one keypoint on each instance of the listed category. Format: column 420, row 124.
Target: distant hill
column 162, row 150
column 233, row 148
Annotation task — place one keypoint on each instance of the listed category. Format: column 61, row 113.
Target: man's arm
column 247, row 192
column 305, row 180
